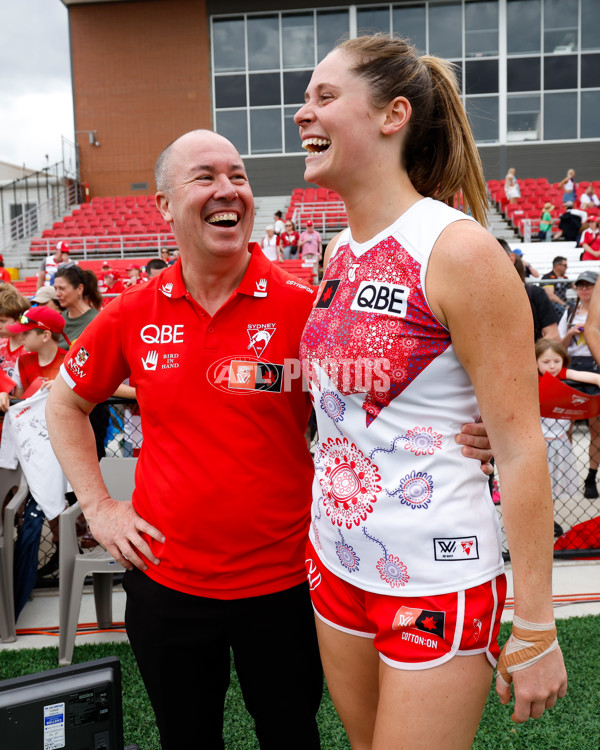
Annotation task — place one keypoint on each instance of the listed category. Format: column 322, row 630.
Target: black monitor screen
column 77, row 708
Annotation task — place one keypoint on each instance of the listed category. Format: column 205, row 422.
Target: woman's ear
column 397, row 115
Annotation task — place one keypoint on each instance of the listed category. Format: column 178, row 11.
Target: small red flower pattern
column 410, row 344
column 350, row 482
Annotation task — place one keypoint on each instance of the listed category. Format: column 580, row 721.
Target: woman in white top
column 271, row 244
column 387, row 131
column 569, row 188
column 571, row 329
column 511, row 186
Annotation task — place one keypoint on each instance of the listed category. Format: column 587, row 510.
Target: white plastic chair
column 9, row 478
column 74, row 565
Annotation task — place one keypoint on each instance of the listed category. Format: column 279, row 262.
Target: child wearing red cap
column 41, row 328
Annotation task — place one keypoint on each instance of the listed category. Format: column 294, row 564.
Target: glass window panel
column 523, row 24
column 483, row 116
column 265, row 131
column 230, row 91
column 233, row 124
column 445, row 30
column 264, row 89
column 481, row 76
column 229, row 48
column 590, row 71
column 298, row 40
column 457, row 67
column 263, row 42
column 409, row 23
column 523, row 118
column 294, row 86
column 560, row 116
column 560, row 72
column 523, row 74
column 481, row 28
column 332, row 25
column 292, row 135
column 373, row 20
column 560, row 25
column 590, row 28
column 590, row 114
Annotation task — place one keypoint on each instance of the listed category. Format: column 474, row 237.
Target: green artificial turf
column 574, row 724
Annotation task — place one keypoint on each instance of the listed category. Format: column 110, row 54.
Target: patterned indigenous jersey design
column 394, row 499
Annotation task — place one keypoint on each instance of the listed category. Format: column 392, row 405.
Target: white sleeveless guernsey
column 397, row 509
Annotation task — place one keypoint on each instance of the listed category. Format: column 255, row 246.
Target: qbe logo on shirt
column 379, row 297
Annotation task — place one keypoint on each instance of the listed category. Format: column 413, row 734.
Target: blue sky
column 36, row 106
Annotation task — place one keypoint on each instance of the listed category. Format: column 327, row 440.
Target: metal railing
column 46, row 195
column 84, row 248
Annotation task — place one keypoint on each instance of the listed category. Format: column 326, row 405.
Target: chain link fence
column 576, row 502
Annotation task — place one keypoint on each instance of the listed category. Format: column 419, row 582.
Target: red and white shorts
column 411, row 632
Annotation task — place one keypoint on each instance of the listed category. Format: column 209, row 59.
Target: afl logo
column 313, row 574
column 377, row 297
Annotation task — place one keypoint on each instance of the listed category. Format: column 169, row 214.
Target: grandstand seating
column 535, row 192
column 124, row 223
column 324, row 207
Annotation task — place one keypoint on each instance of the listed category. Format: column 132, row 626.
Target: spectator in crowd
column 569, row 224
column 154, row 267
column 590, row 240
column 41, row 328
column 544, row 318
column 386, row 129
column 546, row 222
column 46, row 296
column 12, row 306
column 4, row 274
column 271, row 244
column 571, row 328
column 569, row 188
column 552, row 357
column 134, row 276
column 111, row 285
column 289, row 240
column 309, row 243
column 249, row 592
column 51, row 264
column 558, row 292
column 589, row 201
column 511, row 186
column 278, row 225
column 78, row 295
column 166, row 256
column 529, row 269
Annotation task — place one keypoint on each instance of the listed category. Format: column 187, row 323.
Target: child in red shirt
column 41, row 328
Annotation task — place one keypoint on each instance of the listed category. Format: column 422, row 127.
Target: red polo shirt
column 224, row 471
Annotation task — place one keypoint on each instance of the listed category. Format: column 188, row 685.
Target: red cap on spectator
column 309, row 223
column 63, row 246
column 133, row 267
column 44, row 318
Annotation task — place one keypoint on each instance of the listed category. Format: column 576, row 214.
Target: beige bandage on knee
column 528, row 643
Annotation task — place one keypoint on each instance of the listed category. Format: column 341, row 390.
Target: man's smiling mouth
column 224, row 219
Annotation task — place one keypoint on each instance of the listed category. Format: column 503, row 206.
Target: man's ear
column 162, row 203
column 397, row 115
